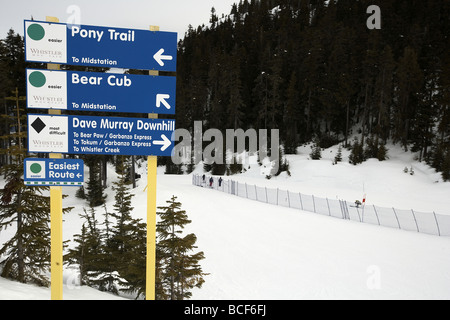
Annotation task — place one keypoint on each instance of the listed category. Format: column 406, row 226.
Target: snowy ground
column 258, row 251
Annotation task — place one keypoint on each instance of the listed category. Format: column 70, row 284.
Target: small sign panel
column 93, row 91
column 95, row 46
column 100, row 135
column 53, row 172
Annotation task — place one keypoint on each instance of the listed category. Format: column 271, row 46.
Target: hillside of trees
column 313, row 70
column 310, row 68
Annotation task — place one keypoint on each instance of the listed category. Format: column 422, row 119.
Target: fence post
column 329, row 212
column 314, row 203
column 246, row 191
column 267, row 199
column 376, row 214
column 359, row 216
column 289, row 200
column 395, row 213
column 437, row 224
column 301, row 202
column 256, row 193
column 347, row 214
column 277, row 196
column 417, row 226
column 343, row 210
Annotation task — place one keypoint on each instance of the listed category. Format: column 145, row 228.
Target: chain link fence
column 411, row 220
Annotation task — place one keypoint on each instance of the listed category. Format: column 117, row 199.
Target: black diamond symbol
column 38, row 125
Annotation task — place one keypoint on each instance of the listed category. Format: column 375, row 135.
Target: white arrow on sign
column 79, row 175
column 159, row 57
column 165, row 142
column 161, row 98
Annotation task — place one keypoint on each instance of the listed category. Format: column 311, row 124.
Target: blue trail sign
column 93, row 91
column 100, row 46
column 100, row 135
column 53, row 172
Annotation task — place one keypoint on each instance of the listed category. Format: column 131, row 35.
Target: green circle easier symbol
column 37, row 79
column 35, row 168
column 36, row 32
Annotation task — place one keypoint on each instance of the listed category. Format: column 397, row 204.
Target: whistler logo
column 46, row 52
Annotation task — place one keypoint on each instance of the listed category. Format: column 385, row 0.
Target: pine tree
column 87, row 254
column 291, row 117
column 357, row 153
column 409, row 80
column 27, row 253
column 179, row 270
column 316, row 152
column 338, row 157
column 446, row 166
column 127, row 243
column 94, row 195
column 133, row 260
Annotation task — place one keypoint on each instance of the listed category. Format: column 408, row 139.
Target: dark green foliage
column 80, row 194
column 26, row 255
column 94, row 194
column 375, row 149
column 283, row 163
column 316, row 151
column 178, row 269
column 314, row 69
column 87, row 253
column 446, row 166
column 338, row 157
column 357, row 153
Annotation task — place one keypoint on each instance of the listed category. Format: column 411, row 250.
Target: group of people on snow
column 210, row 181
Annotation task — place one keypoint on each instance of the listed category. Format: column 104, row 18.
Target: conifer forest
column 310, row 68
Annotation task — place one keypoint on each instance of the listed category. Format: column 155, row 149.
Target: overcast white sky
column 169, row 15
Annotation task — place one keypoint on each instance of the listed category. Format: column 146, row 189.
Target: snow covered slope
column 258, row 251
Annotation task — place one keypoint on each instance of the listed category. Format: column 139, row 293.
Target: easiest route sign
column 53, row 172
column 92, row 91
column 100, row 135
column 100, row 46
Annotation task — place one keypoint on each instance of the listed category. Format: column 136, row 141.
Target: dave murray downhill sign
column 100, row 135
column 109, row 47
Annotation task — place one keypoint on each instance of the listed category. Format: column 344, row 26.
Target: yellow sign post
column 56, row 220
column 152, row 165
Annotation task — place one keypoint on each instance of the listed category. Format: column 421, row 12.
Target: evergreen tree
column 87, row 254
column 291, row 115
column 127, row 244
column 338, row 157
column 179, row 270
column 25, row 257
column 94, row 196
column 357, row 153
column 409, row 80
column 446, row 166
column 316, row 151
column 27, row 253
